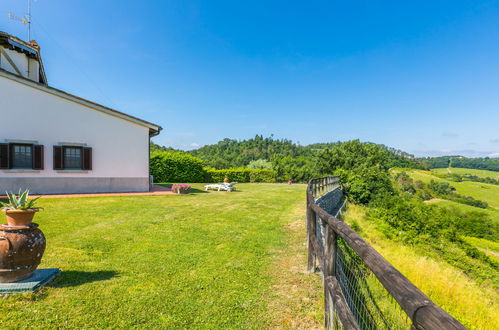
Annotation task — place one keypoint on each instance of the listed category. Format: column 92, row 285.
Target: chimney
column 34, row 44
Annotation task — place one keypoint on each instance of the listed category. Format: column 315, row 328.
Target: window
column 72, row 158
column 22, row 156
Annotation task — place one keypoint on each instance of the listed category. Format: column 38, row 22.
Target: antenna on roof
column 26, row 20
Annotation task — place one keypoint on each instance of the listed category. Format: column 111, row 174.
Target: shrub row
column 177, row 166
column 241, row 175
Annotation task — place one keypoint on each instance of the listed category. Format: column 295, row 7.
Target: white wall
column 120, row 148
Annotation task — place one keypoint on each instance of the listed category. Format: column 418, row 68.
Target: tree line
column 485, row 163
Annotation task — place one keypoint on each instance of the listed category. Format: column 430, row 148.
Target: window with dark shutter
column 87, row 159
column 21, row 156
column 4, row 156
column 38, row 157
column 58, row 158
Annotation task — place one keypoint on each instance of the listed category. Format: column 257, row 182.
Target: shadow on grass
column 75, row 277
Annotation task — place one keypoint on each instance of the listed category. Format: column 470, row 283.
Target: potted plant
column 180, row 188
column 19, row 209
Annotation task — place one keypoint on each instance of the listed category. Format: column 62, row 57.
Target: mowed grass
column 204, row 260
column 482, row 191
column 474, row 305
column 462, row 171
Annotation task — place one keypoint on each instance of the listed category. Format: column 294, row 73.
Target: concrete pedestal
column 39, row 278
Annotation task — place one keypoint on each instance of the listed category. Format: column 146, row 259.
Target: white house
column 55, row 142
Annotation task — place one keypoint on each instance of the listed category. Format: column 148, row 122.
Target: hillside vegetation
column 289, row 160
column 473, row 304
column 491, row 164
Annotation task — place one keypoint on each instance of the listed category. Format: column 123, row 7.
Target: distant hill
column 234, row 153
column 486, row 163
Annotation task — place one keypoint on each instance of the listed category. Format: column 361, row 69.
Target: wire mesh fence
column 371, row 304
column 361, row 289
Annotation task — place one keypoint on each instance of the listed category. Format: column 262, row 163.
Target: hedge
column 240, row 175
column 176, row 166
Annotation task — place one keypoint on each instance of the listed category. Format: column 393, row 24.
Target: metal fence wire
column 371, row 304
column 361, row 289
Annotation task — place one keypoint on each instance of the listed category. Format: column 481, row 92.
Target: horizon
column 423, row 81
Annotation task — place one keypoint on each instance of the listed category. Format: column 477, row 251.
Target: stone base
column 40, row 278
column 72, row 185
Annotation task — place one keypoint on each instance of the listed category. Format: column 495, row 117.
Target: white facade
column 35, row 114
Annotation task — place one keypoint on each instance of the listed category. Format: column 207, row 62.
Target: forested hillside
column 490, row 164
column 290, row 160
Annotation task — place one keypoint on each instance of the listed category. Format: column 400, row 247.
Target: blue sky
column 422, row 76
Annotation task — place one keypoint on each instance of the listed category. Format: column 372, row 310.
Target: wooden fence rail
column 422, row 312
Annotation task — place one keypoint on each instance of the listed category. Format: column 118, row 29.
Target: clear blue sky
column 422, row 76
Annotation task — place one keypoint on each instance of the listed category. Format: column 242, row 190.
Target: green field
column 204, row 260
column 482, row 191
column 462, row 171
column 492, row 213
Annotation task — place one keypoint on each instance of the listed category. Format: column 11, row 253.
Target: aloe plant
column 20, row 201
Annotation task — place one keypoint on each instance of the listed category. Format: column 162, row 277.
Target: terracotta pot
column 20, row 217
column 21, row 251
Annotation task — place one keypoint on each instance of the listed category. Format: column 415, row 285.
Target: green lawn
column 479, row 173
column 204, row 260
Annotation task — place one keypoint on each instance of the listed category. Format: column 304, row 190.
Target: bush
column 364, row 185
column 296, row 169
column 176, row 166
column 240, row 175
column 260, row 164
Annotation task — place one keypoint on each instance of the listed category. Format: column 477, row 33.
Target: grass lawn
column 204, row 260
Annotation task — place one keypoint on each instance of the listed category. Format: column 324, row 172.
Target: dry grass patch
column 296, row 301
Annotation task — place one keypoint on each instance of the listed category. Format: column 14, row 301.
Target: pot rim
column 20, row 211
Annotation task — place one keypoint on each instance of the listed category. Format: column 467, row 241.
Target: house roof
column 30, row 49
column 153, row 128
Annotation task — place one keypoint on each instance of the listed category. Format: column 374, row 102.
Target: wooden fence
column 361, row 289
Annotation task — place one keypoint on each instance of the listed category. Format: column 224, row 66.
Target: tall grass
column 476, row 306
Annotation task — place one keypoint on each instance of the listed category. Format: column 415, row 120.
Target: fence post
column 329, row 270
column 311, row 228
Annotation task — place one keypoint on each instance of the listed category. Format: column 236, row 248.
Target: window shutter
column 38, row 157
column 4, row 156
column 58, row 157
column 87, row 159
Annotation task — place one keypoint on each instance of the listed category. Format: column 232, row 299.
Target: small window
column 72, row 158
column 22, row 156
